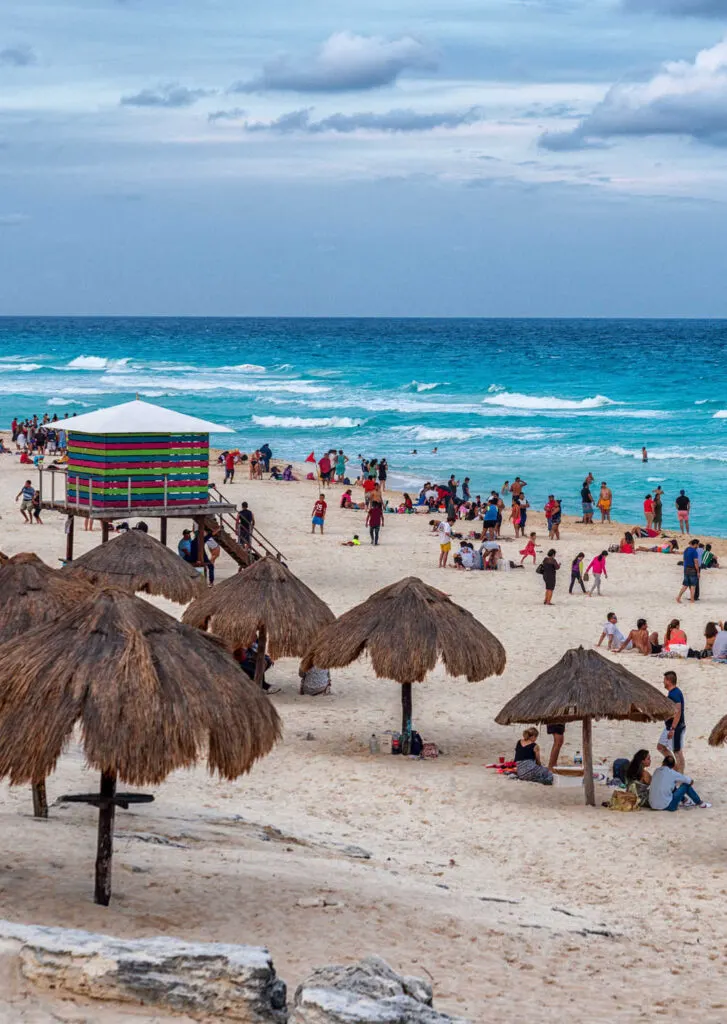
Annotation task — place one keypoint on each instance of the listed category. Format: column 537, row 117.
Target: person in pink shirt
column 598, row 568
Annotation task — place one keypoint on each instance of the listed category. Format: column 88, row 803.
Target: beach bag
column 623, row 800
column 586, row 577
column 540, row 569
column 416, row 745
column 430, row 750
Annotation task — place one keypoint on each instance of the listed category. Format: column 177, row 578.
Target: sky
column 377, row 158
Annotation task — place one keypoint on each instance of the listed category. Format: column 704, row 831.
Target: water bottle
column 374, row 743
column 578, row 757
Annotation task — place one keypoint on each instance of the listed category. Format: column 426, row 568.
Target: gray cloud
column 171, row 95
column 391, row 121
column 682, row 98
column 235, row 114
column 680, row 8
column 18, row 56
column 345, row 62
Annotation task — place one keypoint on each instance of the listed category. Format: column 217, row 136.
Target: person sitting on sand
column 348, row 502
column 709, row 559
column 674, row 636
column 669, row 788
column 641, row 640
column 626, row 547
column 288, row 473
column 614, row 634
column 711, row 630
column 638, row 776
column 527, row 760
column 355, row 543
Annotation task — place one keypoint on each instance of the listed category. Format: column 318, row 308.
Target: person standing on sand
column 529, row 549
column 383, row 473
column 319, row 513
column 683, row 505
column 692, row 569
column 671, row 740
column 27, row 492
column 656, row 522
column 549, row 568
column 587, row 501
column 229, row 467
column 374, row 521
column 341, row 460
column 649, row 512
column 444, row 532
column 576, row 572
column 598, row 565
column 605, row 500
column 515, row 516
column 245, row 525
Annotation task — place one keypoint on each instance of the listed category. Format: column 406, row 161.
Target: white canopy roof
column 139, row 418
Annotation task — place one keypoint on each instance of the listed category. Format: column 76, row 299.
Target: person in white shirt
column 616, row 638
column 669, row 787
column 444, row 531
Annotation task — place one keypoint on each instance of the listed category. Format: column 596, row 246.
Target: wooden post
column 105, row 848
column 40, row 800
column 200, row 542
column 406, row 710
column 588, row 763
column 105, row 531
column 163, row 530
column 262, row 642
column 69, row 538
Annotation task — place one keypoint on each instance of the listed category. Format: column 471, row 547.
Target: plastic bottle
column 374, row 743
column 578, row 757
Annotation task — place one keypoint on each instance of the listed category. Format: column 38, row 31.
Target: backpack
column 416, row 745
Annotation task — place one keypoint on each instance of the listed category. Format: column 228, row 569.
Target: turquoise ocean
column 548, row 400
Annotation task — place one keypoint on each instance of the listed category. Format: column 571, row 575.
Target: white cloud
column 344, row 63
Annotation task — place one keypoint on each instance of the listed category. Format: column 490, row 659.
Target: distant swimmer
column 414, row 451
column 644, row 455
column 434, row 451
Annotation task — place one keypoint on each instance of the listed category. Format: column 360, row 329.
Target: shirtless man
column 516, row 487
column 645, row 643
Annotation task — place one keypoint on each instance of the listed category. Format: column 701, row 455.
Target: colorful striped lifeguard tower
column 134, row 459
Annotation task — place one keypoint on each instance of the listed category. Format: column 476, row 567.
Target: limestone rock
column 368, row 992
column 201, row 979
column 329, row 1006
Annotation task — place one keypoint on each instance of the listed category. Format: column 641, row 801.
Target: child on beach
column 319, row 513
column 576, row 572
column 529, row 549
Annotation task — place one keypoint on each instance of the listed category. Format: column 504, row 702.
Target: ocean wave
column 721, row 414
column 245, row 368
column 515, row 400
column 97, row 363
column 301, row 423
column 27, row 367
column 68, row 401
column 421, row 433
column 196, row 383
column 416, row 385
column 671, row 454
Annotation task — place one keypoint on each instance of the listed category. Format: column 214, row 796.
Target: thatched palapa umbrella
column 405, row 629
column 582, row 686
column 139, row 563
column 150, row 694
column 31, row 594
column 265, row 602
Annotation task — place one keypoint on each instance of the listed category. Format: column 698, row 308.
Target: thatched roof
column 3, row 558
column 150, row 694
column 268, row 595
column 139, row 563
column 405, row 629
column 718, row 735
column 32, row 594
column 584, row 684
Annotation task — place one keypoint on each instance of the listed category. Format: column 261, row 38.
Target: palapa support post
column 69, row 537
column 40, row 800
column 200, row 543
column 105, row 531
column 406, row 713
column 588, row 762
column 163, row 530
column 262, row 642
column 105, row 848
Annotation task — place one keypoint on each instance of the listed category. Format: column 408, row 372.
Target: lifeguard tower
column 134, row 459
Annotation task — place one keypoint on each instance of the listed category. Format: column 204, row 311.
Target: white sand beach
column 515, row 899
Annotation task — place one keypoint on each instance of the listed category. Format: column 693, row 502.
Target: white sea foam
column 207, row 383
column 419, row 386
column 672, row 454
column 98, row 363
column 721, row 414
column 301, row 423
column 421, row 433
column 246, row 368
column 68, row 401
column 27, row 367
column 515, row 400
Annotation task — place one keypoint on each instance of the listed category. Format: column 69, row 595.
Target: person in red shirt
column 649, row 511
column 229, row 467
column 324, row 465
column 319, row 513
column 375, row 520
column 369, row 486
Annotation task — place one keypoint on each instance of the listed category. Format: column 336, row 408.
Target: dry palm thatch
column 264, row 602
column 139, row 563
column 718, row 735
column 3, row 558
column 405, row 629
column 584, row 685
column 150, row 694
column 32, row 594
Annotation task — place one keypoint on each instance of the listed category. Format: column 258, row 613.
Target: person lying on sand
column 664, row 547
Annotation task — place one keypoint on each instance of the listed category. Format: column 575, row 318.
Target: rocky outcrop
column 236, row 983
column 369, row 992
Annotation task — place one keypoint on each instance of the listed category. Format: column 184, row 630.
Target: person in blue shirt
column 692, row 567
column 671, row 740
column 184, row 548
column 490, row 521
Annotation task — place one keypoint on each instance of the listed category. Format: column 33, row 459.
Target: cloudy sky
column 373, row 157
